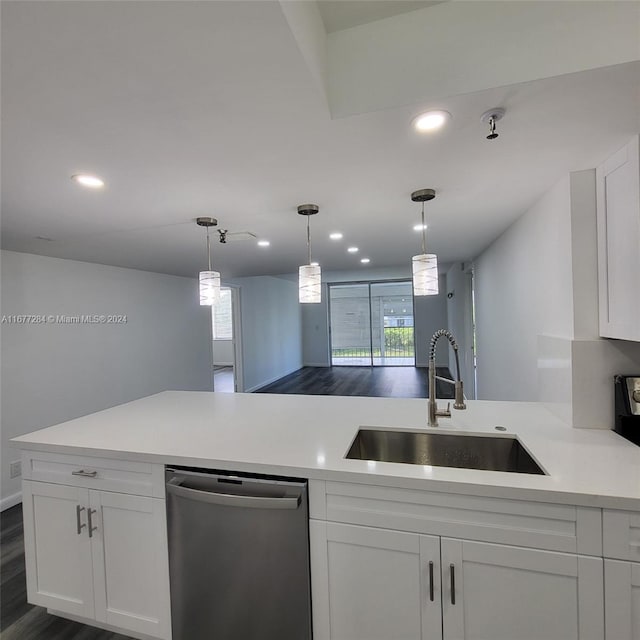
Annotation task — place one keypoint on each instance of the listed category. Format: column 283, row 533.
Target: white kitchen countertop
column 308, row 436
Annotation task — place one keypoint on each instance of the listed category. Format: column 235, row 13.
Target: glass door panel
column 350, row 323
column 392, row 323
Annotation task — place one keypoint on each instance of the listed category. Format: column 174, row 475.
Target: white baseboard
column 11, row 501
column 270, row 380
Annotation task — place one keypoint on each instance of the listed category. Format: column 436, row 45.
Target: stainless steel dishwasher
column 238, row 556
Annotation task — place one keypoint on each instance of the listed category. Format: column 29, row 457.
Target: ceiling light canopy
column 425, row 265
column 336, row 235
column 87, row 180
column 209, row 280
column 430, row 120
column 309, row 275
column 490, row 118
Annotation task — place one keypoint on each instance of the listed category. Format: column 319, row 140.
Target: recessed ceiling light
column 419, row 227
column 263, row 243
column 87, row 180
column 365, row 260
column 336, row 236
column 430, row 121
column 353, row 249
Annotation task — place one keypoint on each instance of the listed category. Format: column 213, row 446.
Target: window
column 222, row 317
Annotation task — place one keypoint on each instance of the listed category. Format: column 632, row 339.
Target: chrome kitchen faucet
column 434, row 412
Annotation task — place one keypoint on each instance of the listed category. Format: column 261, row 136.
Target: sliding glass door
column 371, row 324
column 392, row 323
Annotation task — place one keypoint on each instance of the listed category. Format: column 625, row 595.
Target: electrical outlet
column 15, row 469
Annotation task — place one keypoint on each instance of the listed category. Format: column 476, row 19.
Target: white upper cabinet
column 618, row 211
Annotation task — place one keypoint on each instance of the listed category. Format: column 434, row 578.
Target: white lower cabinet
column 622, row 599
column 98, row 555
column 377, row 584
column 511, row 593
column 374, row 584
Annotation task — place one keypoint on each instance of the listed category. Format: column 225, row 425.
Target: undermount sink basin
column 491, row 453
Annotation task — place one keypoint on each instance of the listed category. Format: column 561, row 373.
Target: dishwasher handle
column 229, row 500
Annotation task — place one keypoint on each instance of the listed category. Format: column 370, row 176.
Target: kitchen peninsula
column 384, row 537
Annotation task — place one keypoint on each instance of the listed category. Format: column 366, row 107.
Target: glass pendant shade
column 425, row 274
column 309, row 283
column 209, row 287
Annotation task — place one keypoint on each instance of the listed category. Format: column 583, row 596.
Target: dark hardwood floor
column 18, row 619
column 396, row 382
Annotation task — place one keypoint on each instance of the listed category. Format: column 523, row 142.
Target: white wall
column 271, row 329
column 459, row 320
column 537, row 311
column 222, row 352
column 523, row 289
column 594, row 361
column 55, row 372
column 431, row 315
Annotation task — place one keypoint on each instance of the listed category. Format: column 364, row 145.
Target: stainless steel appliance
column 238, row 556
column 627, row 405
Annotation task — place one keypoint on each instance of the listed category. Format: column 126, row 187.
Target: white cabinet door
column 57, row 547
column 622, row 599
column 374, row 584
column 618, row 211
column 130, row 563
column 509, row 593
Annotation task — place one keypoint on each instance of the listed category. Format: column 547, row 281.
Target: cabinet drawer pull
column 84, row 474
column 431, row 596
column 79, row 524
column 90, row 512
column 452, row 571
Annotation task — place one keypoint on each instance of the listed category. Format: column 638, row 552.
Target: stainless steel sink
column 444, row 450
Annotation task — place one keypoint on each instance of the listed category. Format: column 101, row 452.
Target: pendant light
column 310, row 278
column 425, row 265
column 209, row 280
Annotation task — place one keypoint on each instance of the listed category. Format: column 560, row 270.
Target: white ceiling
column 344, row 14
column 208, row 108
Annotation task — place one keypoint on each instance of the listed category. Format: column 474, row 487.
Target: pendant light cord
column 424, row 232
column 209, row 248
column 308, row 240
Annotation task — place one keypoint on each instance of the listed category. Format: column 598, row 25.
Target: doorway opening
column 371, row 324
column 225, row 322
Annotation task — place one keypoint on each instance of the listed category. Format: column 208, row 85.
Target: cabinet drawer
column 526, row 524
column 139, row 478
column 621, row 534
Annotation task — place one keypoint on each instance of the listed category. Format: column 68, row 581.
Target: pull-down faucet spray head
column 459, row 402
